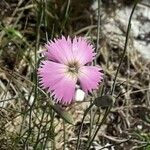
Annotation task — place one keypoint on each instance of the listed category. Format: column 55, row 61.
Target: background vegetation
column 29, row 119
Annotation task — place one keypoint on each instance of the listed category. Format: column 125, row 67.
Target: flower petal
column 83, row 51
column 64, row 90
column 60, row 50
column 90, row 77
column 53, row 76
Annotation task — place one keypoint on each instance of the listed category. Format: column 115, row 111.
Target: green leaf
column 14, row 32
column 104, row 101
column 63, row 114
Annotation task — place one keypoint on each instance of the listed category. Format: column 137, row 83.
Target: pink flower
column 68, row 64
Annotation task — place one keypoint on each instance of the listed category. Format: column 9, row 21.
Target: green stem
column 125, row 47
column 64, row 129
column 113, row 87
column 80, row 130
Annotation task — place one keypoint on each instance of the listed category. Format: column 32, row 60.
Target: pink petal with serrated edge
column 54, row 78
column 90, row 77
column 65, row 90
column 83, row 51
column 60, row 50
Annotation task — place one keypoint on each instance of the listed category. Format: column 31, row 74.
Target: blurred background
column 27, row 121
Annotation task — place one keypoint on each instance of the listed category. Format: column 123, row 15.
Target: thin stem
column 64, row 129
column 39, row 22
column 80, row 130
column 91, row 120
column 39, row 130
column 98, row 26
column 66, row 16
column 48, row 132
column 53, row 128
column 113, row 87
column 101, row 123
column 125, row 47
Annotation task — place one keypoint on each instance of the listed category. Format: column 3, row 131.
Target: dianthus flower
column 68, row 65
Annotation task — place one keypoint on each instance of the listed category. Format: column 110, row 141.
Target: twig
column 113, row 87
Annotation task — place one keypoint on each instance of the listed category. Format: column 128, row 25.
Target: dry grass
column 27, row 120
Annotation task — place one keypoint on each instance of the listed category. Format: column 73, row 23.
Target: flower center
column 73, row 67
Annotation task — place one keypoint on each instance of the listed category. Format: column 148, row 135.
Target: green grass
column 29, row 118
